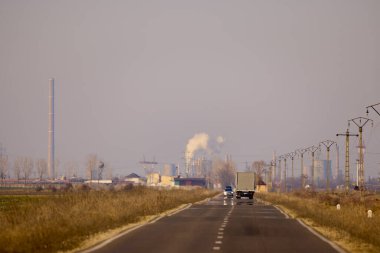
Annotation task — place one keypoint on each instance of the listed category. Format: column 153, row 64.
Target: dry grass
column 349, row 226
column 63, row 221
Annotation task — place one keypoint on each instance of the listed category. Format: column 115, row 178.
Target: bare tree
column 17, row 167
column 258, row 167
column 27, row 167
column 41, row 168
column 3, row 167
column 91, row 165
column 223, row 172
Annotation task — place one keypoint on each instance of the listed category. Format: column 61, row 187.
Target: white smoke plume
column 220, row 140
column 199, row 141
column 215, row 146
column 202, row 141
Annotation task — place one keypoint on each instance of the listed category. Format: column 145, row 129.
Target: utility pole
column 291, row 156
column 272, row 174
column 284, row 157
column 274, row 170
column 360, row 122
column 303, row 176
column 337, row 161
column 279, row 173
column 328, row 144
column 347, row 162
column 312, row 150
column 282, row 174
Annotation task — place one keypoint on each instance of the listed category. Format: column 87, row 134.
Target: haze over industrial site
column 190, row 126
column 138, row 79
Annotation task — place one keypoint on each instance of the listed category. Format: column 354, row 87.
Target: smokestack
column 51, row 165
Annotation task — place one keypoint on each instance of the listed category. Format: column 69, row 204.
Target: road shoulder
column 323, row 233
column 101, row 239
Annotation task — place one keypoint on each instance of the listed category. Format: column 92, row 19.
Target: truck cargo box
column 245, row 184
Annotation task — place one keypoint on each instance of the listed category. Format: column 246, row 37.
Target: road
column 221, row 225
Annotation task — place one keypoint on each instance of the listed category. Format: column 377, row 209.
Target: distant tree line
column 25, row 168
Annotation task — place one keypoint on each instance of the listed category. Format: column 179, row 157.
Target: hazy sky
column 138, row 78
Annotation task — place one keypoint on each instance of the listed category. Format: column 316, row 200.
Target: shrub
column 52, row 188
column 85, row 188
column 128, row 187
column 67, row 187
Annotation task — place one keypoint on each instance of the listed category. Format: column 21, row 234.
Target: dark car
column 228, row 191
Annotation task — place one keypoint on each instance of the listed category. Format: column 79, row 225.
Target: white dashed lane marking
column 221, row 230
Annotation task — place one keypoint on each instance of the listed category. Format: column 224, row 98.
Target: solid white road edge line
column 336, row 247
column 104, row 243
column 179, row 210
column 279, row 209
column 332, row 244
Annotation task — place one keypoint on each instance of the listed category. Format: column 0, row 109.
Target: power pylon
column 274, row 166
column 291, row 156
column 300, row 152
column 282, row 173
column 272, row 174
column 284, row 157
column 347, row 162
column 360, row 122
column 328, row 144
column 279, row 172
column 312, row 150
column 145, row 164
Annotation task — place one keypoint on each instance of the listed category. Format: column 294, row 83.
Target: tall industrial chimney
column 51, row 164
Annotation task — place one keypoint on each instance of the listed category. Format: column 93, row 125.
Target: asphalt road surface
column 221, row 225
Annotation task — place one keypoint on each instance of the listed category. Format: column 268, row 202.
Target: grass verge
column 349, row 227
column 61, row 222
